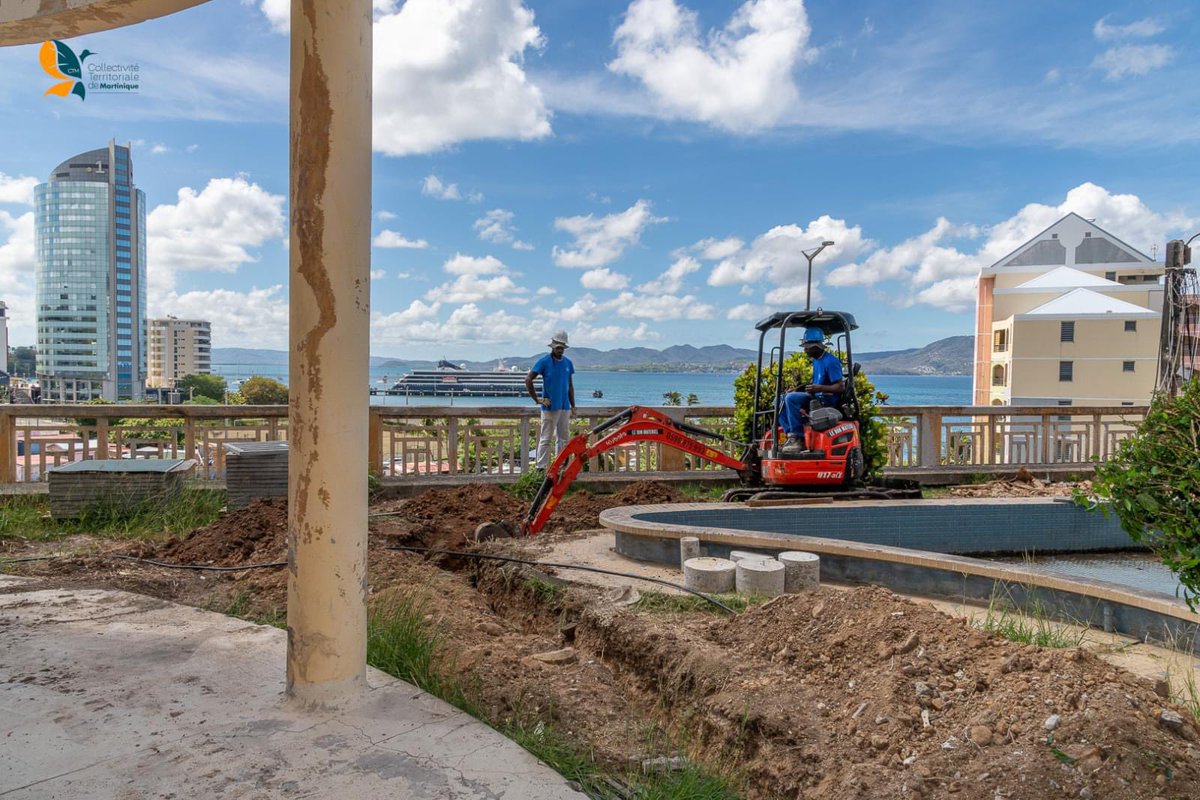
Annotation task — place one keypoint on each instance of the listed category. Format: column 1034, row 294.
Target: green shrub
column 526, row 486
column 1152, row 484
column 797, row 371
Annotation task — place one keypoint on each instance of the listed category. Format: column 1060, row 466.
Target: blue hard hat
column 814, row 336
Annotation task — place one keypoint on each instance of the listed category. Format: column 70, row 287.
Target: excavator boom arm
column 634, row 424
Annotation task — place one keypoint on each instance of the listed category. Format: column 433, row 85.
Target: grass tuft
column 1030, row 623
column 28, row 516
column 664, row 603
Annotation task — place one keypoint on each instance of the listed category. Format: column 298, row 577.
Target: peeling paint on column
column 310, row 146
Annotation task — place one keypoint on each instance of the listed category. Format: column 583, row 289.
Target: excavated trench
column 841, row 693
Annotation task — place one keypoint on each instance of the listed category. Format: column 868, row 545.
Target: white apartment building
column 1071, row 317
column 177, row 348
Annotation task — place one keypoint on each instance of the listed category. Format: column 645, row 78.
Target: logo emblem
column 60, row 62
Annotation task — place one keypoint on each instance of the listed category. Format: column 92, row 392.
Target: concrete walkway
column 108, row 694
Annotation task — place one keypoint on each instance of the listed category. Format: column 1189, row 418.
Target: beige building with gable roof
column 1069, row 318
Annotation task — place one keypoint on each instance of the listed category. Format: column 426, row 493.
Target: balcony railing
column 413, row 442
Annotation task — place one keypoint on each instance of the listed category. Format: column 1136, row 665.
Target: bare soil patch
column 1023, row 484
column 836, row 694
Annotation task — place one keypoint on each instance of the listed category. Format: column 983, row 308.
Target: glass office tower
column 91, row 279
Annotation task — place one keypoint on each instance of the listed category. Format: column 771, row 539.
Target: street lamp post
column 810, row 255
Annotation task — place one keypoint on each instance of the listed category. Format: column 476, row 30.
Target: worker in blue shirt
column 826, row 388
column 557, row 400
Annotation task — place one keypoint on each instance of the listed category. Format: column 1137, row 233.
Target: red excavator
column 831, row 464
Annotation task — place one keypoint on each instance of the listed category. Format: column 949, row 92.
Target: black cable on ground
column 204, row 567
column 30, row 558
column 512, row 560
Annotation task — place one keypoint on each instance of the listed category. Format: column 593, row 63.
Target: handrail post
column 523, row 457
column 375, row 442
column 452, row 444
column 101, row 438
column 930, row 438
column 8, row 447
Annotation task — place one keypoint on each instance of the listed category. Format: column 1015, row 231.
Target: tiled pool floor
column 1136, row 570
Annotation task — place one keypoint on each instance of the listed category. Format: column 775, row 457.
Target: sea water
column 644, row 388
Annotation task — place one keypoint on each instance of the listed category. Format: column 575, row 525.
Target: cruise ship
column 453, row 380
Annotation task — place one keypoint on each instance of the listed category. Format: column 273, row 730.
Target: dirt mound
column 848, row 694
column 581, row 511
column 447, row 518
column 252, row 535
column 1023, row 484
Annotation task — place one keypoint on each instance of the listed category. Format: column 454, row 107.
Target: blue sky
column 640, row 172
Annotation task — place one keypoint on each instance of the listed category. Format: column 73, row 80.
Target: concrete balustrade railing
column 416, row 441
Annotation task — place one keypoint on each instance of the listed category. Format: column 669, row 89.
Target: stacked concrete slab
column 254, row 470
column 92, row 484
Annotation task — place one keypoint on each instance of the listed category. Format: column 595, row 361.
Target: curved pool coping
column 1149, row 616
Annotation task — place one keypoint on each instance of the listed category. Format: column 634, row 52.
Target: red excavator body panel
column 824, row 464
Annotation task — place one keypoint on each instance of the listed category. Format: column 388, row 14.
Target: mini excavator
column 831, row 465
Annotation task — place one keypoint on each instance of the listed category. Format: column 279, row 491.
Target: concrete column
column 329, row 326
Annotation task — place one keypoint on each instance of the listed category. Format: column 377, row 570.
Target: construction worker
column 826, row 389
column 557, row 400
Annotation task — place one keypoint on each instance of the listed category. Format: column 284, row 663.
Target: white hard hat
column 559, row 338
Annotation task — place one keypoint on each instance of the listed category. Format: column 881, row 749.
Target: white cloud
column 17, row 258
column 618, row 334
column 191, row 148
column 449, row 71
column 747, row 311
column 384, row 216
column 1141, row 29
column 258, row 315
column 433, row 186
column 211, row 229
column 671, row 281
column 546, row 291
column 470, row 285
column 387, row 238
column 474, row 289
column 403, row 275
column 928, row 269
column 459, row 264
column 777, row 257
column 664, row 306
column 378, row 274
column 601, row 241
column 158, row 149
column 716, row 249
column 278, row 14
column 468, row 324
column 496, row 226
column 603, row 278
column 738, row 78
column 17, row 190
column 1133, row 59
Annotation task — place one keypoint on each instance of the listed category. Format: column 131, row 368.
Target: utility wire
column 512, row 560
column 205, row 567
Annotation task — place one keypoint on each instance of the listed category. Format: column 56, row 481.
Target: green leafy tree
column 90, row 422
column 22, row 361
column 201, row 400
column 261, row 391
column 203, row 386
column 693, row 399
column 797, row 371
column 672, row 399
column 1152, row 484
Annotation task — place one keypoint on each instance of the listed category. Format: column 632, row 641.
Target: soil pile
column 447, row 518
column 866, row 694
column 581, row 511
column 1023, row 484
column 252, row 535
